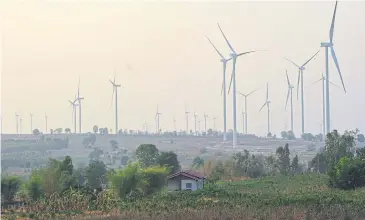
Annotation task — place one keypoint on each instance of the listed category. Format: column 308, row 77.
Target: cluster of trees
column 288, row 135
column 344, row 164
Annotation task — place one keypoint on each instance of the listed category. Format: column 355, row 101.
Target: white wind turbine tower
column 115, row 90
column 234, row 56
column 246, row 96
column 267, row 104
column 74, row 107
column 174, row 121
column 78, row 98
column 327, row 45
column 157, row 118
column 46, row 117
column 323, row 79
column 187, row 121
column 214, row 118
column 290, row 93
column 198, row 127
column 31, row 122
column 20, row 125
column 205, row 122
column 17, row 120
column 224, row 61
column 243, row 122
column 195, row 116
column 300, row 79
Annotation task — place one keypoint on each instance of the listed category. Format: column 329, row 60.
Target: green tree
column 58, row 130
column 348, row 173
column 96, row 174
column 295, row 165
column 35, row 186
column 147, row 154
column 291, row 135
column 36, row 132
column 198, row 162
column 319, row 163
column 308, row 137
column 9, row 187
column 95, row 129
column 284, row 134
column 67, row 130
column 283, row 159
column 169, row 159
column 338, row 146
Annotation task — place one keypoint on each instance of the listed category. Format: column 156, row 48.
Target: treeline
column 59, row 176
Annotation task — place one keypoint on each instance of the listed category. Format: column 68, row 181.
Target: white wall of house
column 186, row 182
column 173, row 185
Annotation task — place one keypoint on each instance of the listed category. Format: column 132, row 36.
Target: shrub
column 348, row 173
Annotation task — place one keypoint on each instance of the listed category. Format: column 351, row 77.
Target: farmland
column 282, row 197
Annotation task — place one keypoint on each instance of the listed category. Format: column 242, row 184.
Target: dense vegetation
column 278, row 187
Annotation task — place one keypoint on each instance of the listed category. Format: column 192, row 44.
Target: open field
column 185, row 147
column 296, row 197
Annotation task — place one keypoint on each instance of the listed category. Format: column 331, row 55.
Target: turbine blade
column 111, row 82
column 338, row 67
column 230, row 83
column 310, row 58
column 240, row 93
column 334, row 85
column 287, row 77
column 229, row 59
column 226, row 39
column 292, row 62
column 251, row 92
column 287, row 98
column 317, row 81
column 298, row 84
column 215, row 48
column 252, row 51
column 333, row 23
column 262, row 106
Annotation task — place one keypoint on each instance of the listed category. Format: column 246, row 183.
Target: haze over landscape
column 161, row 56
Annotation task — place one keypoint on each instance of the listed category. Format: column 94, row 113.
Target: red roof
column 188, row 173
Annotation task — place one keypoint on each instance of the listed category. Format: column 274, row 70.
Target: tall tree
column 283, row 160
column 170, row 160
column 95, row 129
column 96, row 174
column 147, row 154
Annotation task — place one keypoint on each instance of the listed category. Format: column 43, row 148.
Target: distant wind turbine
column 214, row 118
column 327, row 45
column 46, row 117
column 195, row 116
column 157, row 118
column 246, row 95
column 174, row 121
column 187, row 121
column 115, row 90
column 290, row 93
column 205, row 122
column 74, row 107
column 31, row 122
column 234, row 56
column 323, row 79
column 224, row 61
column 243, row 122
column 17, row 120
column 78, row 98
column 267, row 104
column 300, row 79
column 20, row 125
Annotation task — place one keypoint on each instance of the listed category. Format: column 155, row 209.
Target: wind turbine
column 74, row 107
column 157, row 118
column 205, row 122
column 300, row 79
column 323, row 79
column 198, row 127
column 243, row 122
column 17, row 120
column 46, row 117
column 115, row 90
column 31, row 122
column 246, row 95
column 327, row 45
column 195, row 116
column 214, row 118
column 234, row 57
column 224, row 61
column 267, row 104
column 174, row 121
column 78, row 98
column 187, row 121
column 20, row 125
column 290, row 93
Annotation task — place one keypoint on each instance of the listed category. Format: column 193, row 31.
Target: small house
column 185, row 180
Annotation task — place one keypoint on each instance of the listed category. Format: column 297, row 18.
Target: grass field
column 297, row 197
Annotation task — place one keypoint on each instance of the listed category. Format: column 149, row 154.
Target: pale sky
column 48, row 45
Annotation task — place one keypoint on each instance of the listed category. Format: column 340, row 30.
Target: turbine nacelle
column 233, row 55
column 326, row 44
column 302, row 68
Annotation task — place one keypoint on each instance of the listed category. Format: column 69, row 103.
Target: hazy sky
column 162, row 57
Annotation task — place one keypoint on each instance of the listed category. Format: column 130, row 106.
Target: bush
column 9, row 187
column 348, row 173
